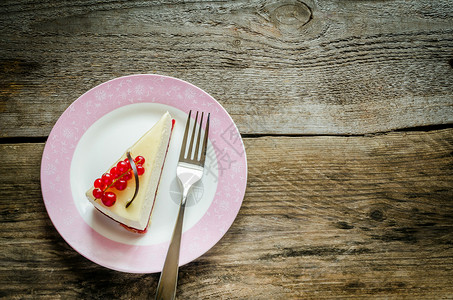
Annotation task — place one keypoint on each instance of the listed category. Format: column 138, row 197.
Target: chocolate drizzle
column 134, row 169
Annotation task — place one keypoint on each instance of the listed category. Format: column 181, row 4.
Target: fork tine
column 195, row 156
column 205, row 141
column 189, row 153
column 184, row 140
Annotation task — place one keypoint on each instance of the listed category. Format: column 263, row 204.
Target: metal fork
column 189, row 171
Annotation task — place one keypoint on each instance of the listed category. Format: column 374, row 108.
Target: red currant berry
column 127, row 176
column 114, row 172
column 140, row 170
column 120, row 184
column 139, row 160
column 122, row 167
column 107, row 179
column 109, row 198
column 97, row 193
column 128, row 164
column 98, row 183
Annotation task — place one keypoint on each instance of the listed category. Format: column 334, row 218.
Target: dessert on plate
column 118, row 195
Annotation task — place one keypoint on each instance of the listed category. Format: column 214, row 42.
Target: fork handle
column 166, row 288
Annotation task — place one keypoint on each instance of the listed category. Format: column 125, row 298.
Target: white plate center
column 106, row 140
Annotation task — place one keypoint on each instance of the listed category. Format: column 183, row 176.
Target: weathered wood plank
column 323, row 218
column 277, row 66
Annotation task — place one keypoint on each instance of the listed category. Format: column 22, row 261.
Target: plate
column 97, row 128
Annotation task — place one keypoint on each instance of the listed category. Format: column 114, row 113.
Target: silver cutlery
column 189, row 171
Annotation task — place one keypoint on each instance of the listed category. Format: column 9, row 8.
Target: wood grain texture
column 278, row 67
column 323, row 218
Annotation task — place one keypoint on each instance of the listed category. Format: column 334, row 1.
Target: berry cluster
column 117, row 178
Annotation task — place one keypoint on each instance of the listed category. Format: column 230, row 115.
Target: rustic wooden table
column 346, row 111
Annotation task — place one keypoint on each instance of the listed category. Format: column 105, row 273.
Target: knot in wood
column 291, row 14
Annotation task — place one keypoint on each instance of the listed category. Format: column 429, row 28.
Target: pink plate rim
column 104, row 98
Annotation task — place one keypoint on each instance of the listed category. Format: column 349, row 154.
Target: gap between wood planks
column 23, row 140
column 43, row 139
column 425, row 128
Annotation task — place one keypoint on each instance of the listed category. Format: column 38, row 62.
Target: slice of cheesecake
column 114, row 190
